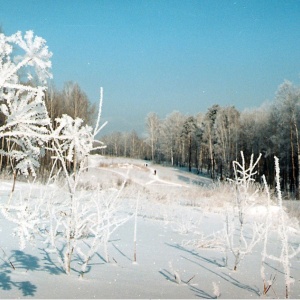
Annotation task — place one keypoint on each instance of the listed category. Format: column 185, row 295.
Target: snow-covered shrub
column 215, row 240
column 25, row 212
column 185, row 221
column 70, row 220
column 268, row 222
column 288, row 250
column 236, row 222
column 70, row 217
column 83, row 215
column 240, row 232
column 83, row 229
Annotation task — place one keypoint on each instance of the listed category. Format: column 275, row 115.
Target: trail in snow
column 156, row 180
column 143, row 173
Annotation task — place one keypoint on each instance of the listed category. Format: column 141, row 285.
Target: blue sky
column 165, row 55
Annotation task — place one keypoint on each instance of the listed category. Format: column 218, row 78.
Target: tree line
column 209, row 142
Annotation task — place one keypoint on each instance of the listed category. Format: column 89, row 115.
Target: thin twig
column 187, row 282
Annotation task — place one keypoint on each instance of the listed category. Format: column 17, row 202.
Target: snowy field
column 177, row 255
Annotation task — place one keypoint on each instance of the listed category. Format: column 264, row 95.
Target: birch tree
column 287, row 102
column 170, row 135
column 227, row 128
column 189, row 137
column 209, row 141
column 76, row 103
column 152, row 126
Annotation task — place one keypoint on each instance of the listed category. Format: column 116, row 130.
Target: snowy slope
column 174, row 206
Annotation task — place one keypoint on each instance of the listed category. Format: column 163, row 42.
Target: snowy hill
column 180, row 251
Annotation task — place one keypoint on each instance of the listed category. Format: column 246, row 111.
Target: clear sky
column 165, row 55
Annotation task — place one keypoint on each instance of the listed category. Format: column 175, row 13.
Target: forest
column 209, row 142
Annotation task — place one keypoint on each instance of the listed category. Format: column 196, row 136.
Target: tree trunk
column 190, row 153
column 211, row 157
column 1, row 156
column 293, row 183
column 298, row 150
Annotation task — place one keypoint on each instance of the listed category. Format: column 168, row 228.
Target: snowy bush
column 240, row 233
column 236, row 224
column 244, row 228
column 288, row 250
column 71, row 220
column 84, row 228
column 185, row 221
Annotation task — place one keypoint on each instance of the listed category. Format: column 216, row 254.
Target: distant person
column 154, row 172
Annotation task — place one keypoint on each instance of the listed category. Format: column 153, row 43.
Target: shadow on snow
column 198, row 292
column 18, row 260
column 222, row 275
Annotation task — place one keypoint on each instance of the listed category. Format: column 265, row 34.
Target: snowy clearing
column 175, row 209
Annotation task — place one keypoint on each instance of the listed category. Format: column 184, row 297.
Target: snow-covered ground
column 175, row 208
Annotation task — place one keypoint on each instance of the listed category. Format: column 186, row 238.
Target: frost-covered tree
column 153, row 127
column 188, row 136
column 227, row 134
column 76, row 104
column 170, row 135
column 127, row 144
column 253, row 140
column 209, row 136
column 25, row 115
column 287, row 107
column 115, row 143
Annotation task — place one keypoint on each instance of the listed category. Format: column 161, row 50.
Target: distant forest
column 206, row 143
